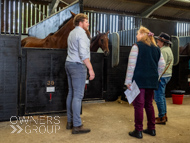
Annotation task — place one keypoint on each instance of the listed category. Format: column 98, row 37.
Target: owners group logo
column 31, row 124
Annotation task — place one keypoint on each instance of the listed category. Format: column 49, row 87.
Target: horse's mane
column 94, row 38
column 60, row 26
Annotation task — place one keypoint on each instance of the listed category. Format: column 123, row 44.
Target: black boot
column 137, row 134
column 80, row 130
column 150, row 132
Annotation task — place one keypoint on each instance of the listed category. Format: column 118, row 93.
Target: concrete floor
column 110, row 122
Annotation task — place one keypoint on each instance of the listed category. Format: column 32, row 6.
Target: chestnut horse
column 53, row 40
column 59, row 38
column 101, row 40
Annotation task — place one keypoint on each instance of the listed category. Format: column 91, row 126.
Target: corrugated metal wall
column 183, row 29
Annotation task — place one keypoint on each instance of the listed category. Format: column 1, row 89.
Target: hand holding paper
column 132, row 94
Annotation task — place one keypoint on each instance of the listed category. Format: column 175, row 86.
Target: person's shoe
column 150, row 132
column 166, row 117
column 137, row 134
column 161, row 121
column 69, row 126
column 80, row 130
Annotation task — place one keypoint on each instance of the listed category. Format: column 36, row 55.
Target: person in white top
column 77, row 62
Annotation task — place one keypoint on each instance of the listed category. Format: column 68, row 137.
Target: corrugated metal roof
column 173, row 10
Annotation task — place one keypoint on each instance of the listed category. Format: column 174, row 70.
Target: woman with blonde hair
column 145, row 65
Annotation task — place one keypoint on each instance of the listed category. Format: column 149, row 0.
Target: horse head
column 103, row 42
column 185, row 50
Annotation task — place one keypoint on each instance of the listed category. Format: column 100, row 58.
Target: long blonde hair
column 148, row 37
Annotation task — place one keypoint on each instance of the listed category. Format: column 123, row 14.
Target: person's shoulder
column 80, row 31
column 166, row 49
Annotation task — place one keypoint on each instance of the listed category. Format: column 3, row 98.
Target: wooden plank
column 37, row 13
column 37, row 1
column 57, row 9
column 53, row 7
column 29, row 15
column 43, row 10
column 33, row 15
column 46, row 12
column 24, row 18
column 40, row 12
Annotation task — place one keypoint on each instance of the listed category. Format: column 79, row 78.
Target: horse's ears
column 98, row 32
column 73, row 14
column 107, row 32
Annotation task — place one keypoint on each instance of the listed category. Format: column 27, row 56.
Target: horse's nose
column 106, row 53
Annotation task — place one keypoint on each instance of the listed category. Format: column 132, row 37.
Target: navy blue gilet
column 146, row 70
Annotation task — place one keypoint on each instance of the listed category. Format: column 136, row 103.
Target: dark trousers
column 144, row 100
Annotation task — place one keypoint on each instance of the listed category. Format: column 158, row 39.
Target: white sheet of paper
column 132, row 94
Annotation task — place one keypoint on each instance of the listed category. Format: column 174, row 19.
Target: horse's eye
column 102, row 41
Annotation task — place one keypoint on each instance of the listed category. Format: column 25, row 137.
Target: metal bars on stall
column 183, row 29
column 125, row 26
column 10, row 15
column 31, row 15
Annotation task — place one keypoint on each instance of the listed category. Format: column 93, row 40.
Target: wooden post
column 54, row 4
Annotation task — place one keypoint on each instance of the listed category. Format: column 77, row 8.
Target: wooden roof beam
column 53, row 5
column 150, row 10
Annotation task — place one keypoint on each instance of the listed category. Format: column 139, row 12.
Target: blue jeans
column 159, row 96
column 76, row 75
